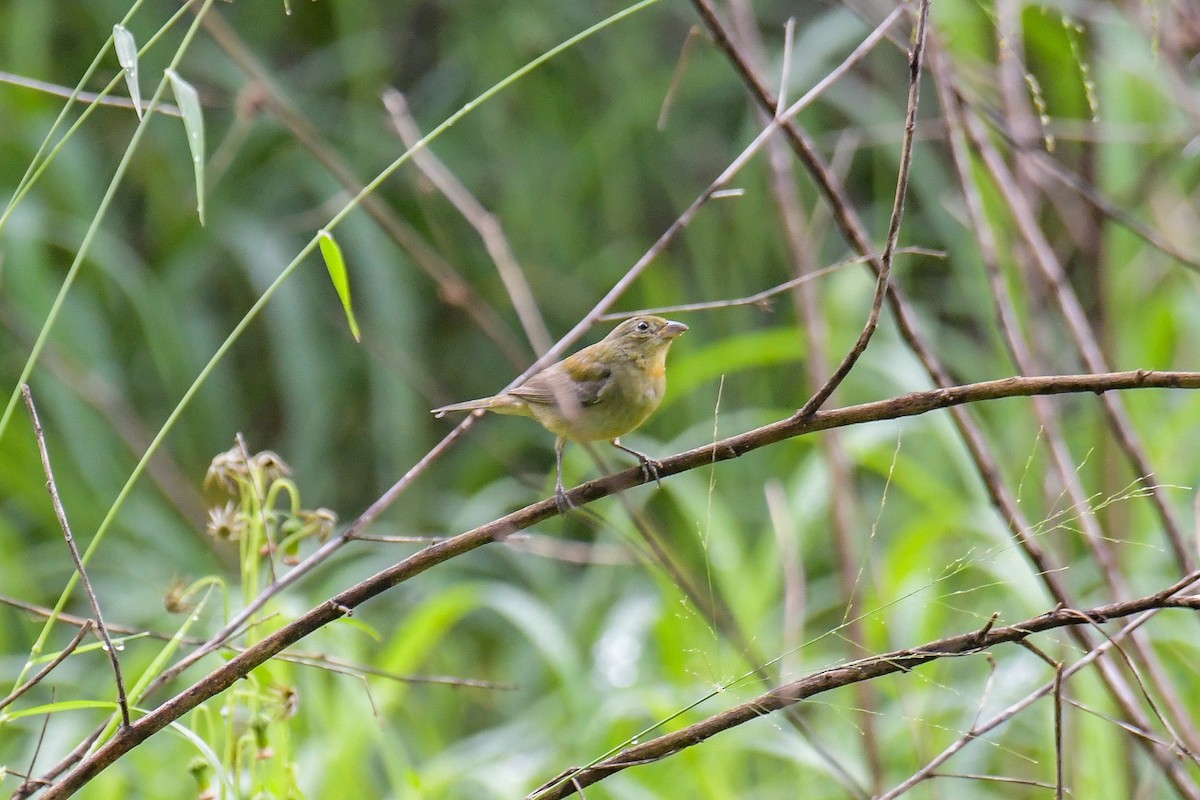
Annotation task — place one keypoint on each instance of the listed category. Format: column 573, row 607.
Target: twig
column 1043, row 258
column 851, row 226
column 1004, row 716
column 677, row 76
column 233, row 670
column 1058, row 733
column 85, row 97
column 46, row 670
column 761, row 299
column 483, row 221
column 61, row 513
column 885, row 270
column 452, row 288
column 837, row 677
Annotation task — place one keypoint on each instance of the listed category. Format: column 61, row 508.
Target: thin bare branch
column 46, row 670
column 899, row 661
column 85, row 98
column 762, row 299
column 885, row 270
column 228, row 673
column 483, row 221
column 61, row 514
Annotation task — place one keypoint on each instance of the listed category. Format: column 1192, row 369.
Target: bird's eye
column 643, row 326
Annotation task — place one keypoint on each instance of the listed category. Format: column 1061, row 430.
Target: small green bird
column 600, row 393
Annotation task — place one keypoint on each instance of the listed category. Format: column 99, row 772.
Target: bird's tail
column 469, row 405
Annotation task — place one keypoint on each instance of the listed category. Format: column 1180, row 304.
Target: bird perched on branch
column 600, row 393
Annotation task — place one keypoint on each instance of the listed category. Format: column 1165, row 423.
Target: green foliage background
column 572, row 165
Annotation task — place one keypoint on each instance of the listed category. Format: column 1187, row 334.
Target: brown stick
column 61, row 514
column 855, row 672
column 907, row 405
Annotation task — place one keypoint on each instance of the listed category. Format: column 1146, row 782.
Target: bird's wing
column 571, row 380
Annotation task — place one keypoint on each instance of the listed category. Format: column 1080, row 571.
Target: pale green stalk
column 72, row 273
column 35, row 169
column 263, row 299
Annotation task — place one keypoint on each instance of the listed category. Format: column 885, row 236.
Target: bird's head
column 644, row 335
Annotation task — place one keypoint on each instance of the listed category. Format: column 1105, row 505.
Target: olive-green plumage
column 600, row 393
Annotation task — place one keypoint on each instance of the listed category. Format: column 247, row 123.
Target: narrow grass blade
column 127, row 56
column 337, row 273
column 193, row 123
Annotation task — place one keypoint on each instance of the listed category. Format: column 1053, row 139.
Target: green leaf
column 127, row 55
column 337, row 273
column 193, row 123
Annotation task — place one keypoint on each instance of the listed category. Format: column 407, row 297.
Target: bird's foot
column 650, row 469
column 561, row 500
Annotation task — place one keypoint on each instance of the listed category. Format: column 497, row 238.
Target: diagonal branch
column 61, row 514
column 885, row 262
column 499, row 529
column 856, row 672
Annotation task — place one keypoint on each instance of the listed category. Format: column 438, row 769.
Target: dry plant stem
column 229, row 40
column 720, row 616
column 451, row 287
column 306, row 659
column 763, row 299
column 912, row 404
column 1048, row 418
column 46, row 670
column 978, row 729
column 85, row 98
column 1081, row 333
column 863, row 670
column 801, row 248
column 893, row 235
column 483, row 221
column 61, row 514
column 1058, row 733
column 852, row 228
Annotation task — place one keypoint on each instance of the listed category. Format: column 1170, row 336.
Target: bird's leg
column 649, row 465
column 560, row 494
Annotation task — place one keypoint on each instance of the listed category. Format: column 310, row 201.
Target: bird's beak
column 672, row 329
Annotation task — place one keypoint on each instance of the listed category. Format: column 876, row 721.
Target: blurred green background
column 582, row 179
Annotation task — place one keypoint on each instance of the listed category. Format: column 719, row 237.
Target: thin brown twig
column 1009, row 713
column 1058, row 733
column 851, row 226
column 228, row 673
column 37, row 749
column 115, row 101
column 1043, row 258
column 61, row 514
column 893, row 235
column 836, row 677
column 677, row 76
column 762, row 299
column 46, row 670
column 483, row 221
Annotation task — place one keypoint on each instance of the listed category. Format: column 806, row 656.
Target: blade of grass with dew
column 127, row 56
column 36, row 164
column 193, row 124
column 336, row 264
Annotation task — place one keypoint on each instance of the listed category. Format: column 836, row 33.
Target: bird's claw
column 561, row 500
column 650, row 469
